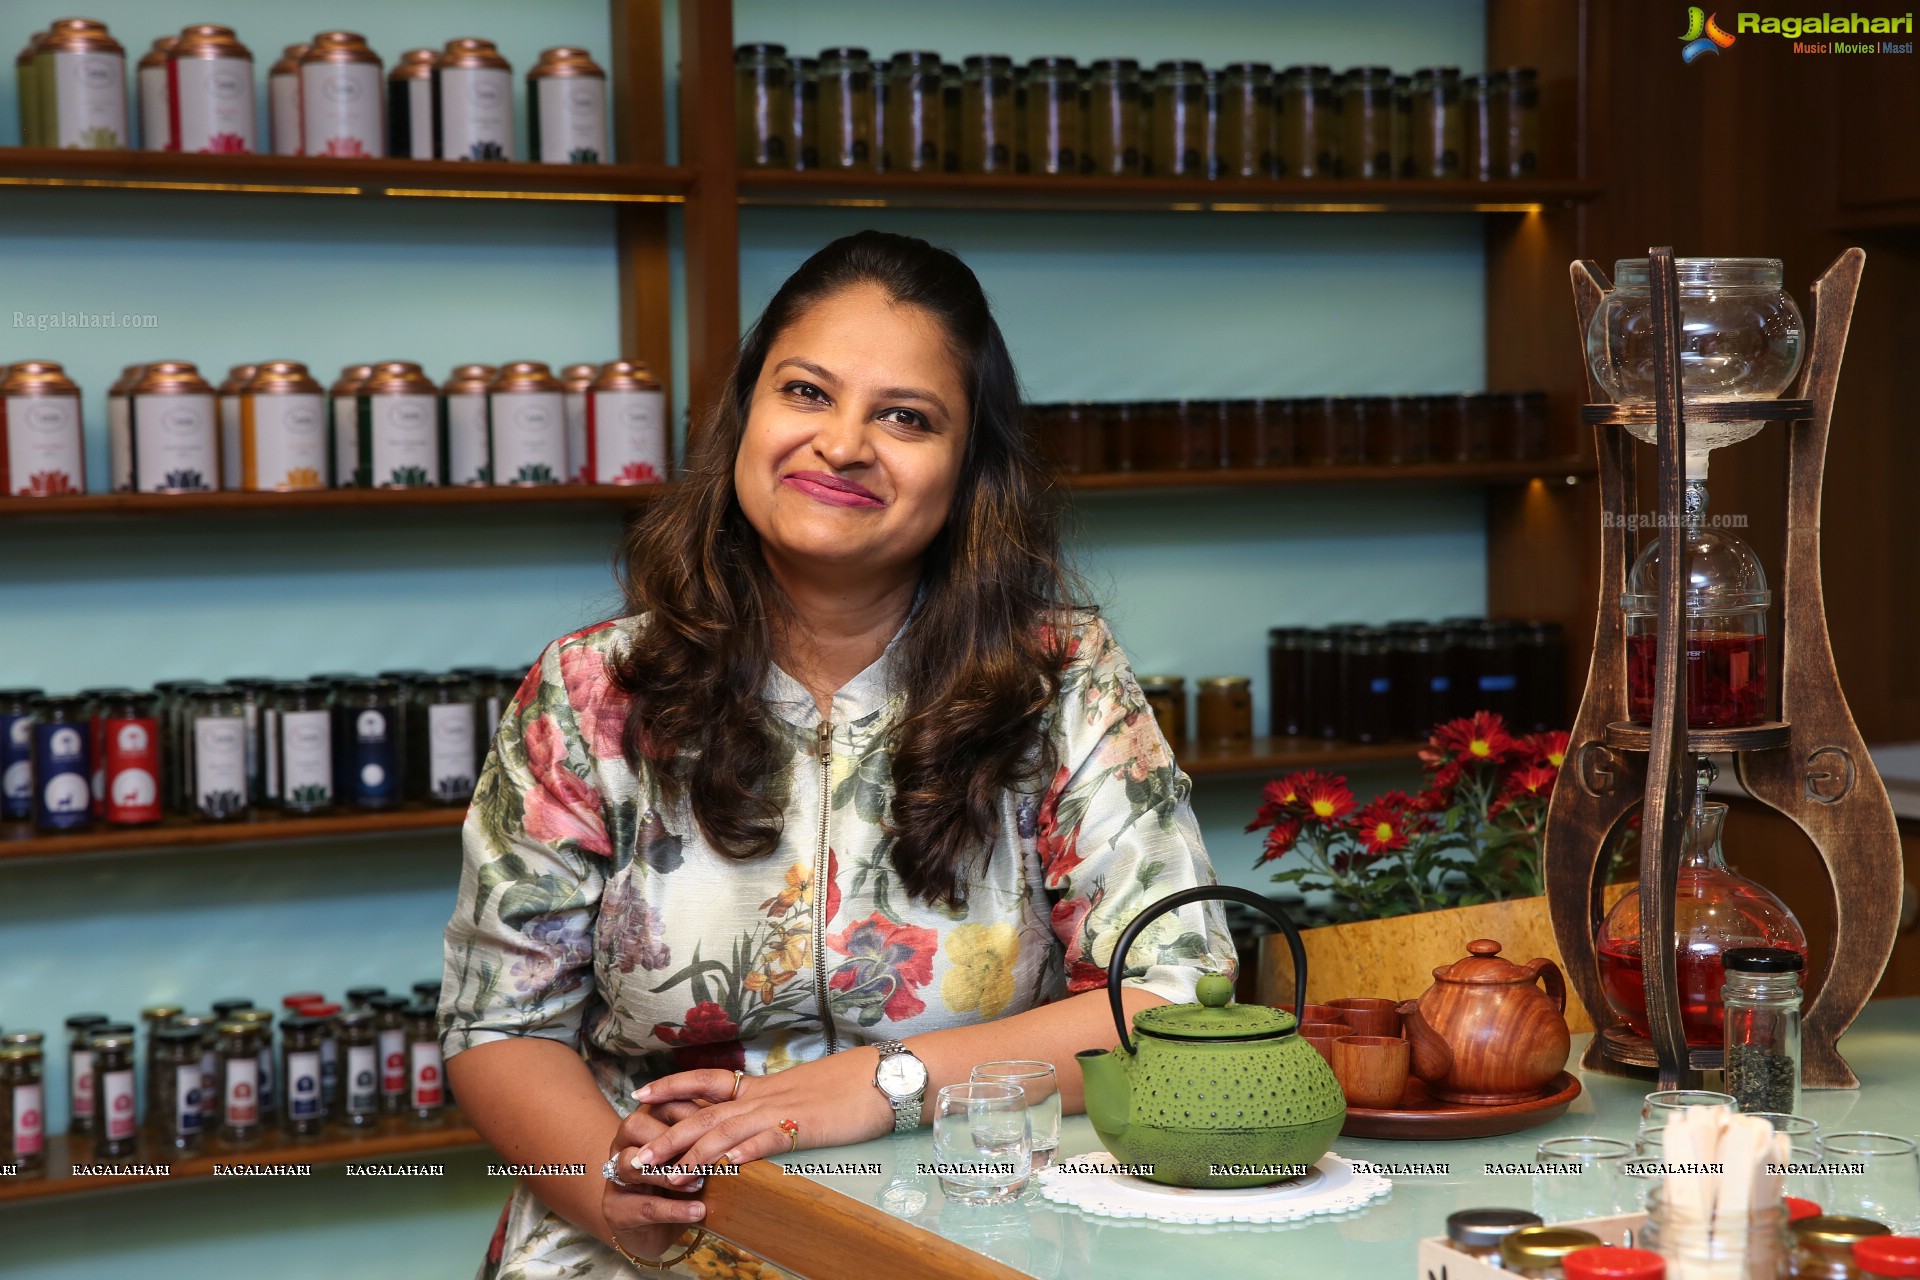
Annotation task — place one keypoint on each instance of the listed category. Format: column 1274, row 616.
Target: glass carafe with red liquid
column 1727, row 599
column 1715, row 909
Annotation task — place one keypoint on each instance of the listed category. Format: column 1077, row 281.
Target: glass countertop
column 1045, row 1240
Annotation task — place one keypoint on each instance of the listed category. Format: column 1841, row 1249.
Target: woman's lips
column 831, row 490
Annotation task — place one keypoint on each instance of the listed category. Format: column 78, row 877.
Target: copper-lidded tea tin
column 463, row 398
column 174, row 430
column 283, row 429
column 342, row 97
column 626, row 437
column 567, row 109
column 41, row 449
column 528, row 414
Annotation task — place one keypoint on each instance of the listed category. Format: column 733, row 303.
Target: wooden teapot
column 1485, row 1033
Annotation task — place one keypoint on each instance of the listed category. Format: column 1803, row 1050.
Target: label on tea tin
column 572, row 116
column 629, row 437
column 393, row 1062
column 80, row 1072
column 303, row 1085
column 120, row 444
column 450, row 750
column 219, row 764
column 427, row 1070
column 230, row 442
column 89, row 101
column 29, row 1119
column 132, row 772
column 529, row 437
column 401, row 446
column 242, row 1092
column 156, row 133
column 188, row 1104
column 476, row 113
column 214, row 101
column 469, row 458
column 306, row 758
column 16, row 765
column 577, row 436
column 340, row 104
column 61, row 773
column 363, row 1079
column 283, row 442
column 175, row 444
column 116, row 1103
column 44, row 452
column 283, row 113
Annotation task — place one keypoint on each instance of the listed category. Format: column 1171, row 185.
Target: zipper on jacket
column 821, row 889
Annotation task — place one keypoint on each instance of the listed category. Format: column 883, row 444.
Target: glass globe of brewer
column 1741, row 338
column 1727, row 599
column 1714, row 909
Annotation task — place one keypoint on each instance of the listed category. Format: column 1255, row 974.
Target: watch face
column 902, row 1075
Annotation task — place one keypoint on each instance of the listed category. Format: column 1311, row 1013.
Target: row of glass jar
column 218, row 752
column 185, row 1078
column 917, row 114
column 1180, row 435
column 1362, row 683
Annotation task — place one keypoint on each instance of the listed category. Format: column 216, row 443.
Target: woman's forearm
column 535, row 1103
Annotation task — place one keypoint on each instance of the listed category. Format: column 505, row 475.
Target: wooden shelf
column 1178, row 195
column 393, row 1137
column 1278, row 755
column 320, row 176
column 1897, row 216
column 21, row 840
column 146, row 504
column 1501, row 471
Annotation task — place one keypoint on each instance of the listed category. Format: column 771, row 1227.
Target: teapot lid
column 1483, row 963
column 1214, row 1018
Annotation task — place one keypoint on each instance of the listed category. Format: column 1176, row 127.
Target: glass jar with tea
column 987, row 119
column 763, row 106
column 1366, row 117
column 1245, row 134
column 1179, row 138
column 847, row 110
column 1053, row 116
column 915, row 114
column 1439, row 123
column 1309, row 120
column 1114, row 138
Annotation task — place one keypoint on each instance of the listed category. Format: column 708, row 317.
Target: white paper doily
column 1334, row 1186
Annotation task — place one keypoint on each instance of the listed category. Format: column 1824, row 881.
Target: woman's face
column 854, row 437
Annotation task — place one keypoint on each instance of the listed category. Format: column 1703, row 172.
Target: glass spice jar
column 305, row 1107
column 390, row 1031
column 206, row 1026
column 328, row 1013
column 915, row 114
column 297, row 730
column 1439, row 123
column 261, row 1020
column 23, row 1107
column 239, row 1049
column 80, row 1112
column 951, row 98
column 179, row 1115
column 359, row 1106
column 1287, row 661
column 1225, row 711
column 1167, row 696
column 1212, row 166
column 847, row 110
column 1761, row 1003
column 1366, row 685
column 1245, row 134
column 1821, row 1247
column 443, row 740
column 1536, row 1251
column 763, row 106
column 153, row 1019
column 369, row 743
column 1478, row 95
column 804, row 142
column 1114, row 136
column 1459, row 428
column 1402, row 126
column 1179, row 138
column 426, row 1076
column 989, row 123
column 1478, row 1232
column 216, row 725
column 1053, row 116
column 1309, row 124
column 1366, row 119
column 1516, row 115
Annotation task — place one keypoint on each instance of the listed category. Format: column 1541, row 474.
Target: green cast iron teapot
column 1213, row 1094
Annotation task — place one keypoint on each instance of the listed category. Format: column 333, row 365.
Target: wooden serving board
column 1419, row 1118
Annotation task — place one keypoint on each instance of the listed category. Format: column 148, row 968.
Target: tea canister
column 410, row 130
column 369, row 728
column 174, row 431
column 305, row 1103
column 443, row 736
column 80, row 73
column 120, row 429
column 476, row 101
column 283, row 429
column 341, row 94
column 80, row 1029
column 344, row 404
column 210, row 92
column 62, row 773
column 28, row 92
column 297, row 731
column 229, row 393
column 575, row 379
column 469, row 447
column 261, row 1020
column 216, row 723
column 150, row 85
column 626, row 426
column 179, row 1111
column 130, row 749
column 116, row 1115
column 567, row 109
column 283, row 102
column 527, row 414
column 23, row 1106
column 360, row 1074
column 390, row 1032
column 426, row 1073
column 16, row 752
column 41, row 449
column 93, row 702
column 399, row 428
column 239, row 1050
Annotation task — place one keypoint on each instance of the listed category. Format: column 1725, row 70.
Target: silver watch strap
column 906, row 1111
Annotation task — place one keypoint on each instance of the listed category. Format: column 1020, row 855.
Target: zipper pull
column 824, row 739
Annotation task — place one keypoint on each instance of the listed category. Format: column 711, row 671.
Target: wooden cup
column 1321, row 1036
column 1315, row 1013
column 1372, row 1070
column 1368, row 1015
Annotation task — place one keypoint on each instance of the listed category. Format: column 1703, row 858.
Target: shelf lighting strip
column 293, row 189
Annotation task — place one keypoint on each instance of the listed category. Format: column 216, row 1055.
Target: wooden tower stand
column 1810, row 764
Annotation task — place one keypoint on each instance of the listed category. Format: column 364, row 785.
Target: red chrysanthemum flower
column 1382, row 825
column 1549, row 748
column 1326, row 799
column 1481, row 738
column 1533, row 780
column 1280, row 839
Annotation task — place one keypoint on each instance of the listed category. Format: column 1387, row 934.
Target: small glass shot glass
column 1661, row 1107
column 1798, row 1128
column 1037, row 1080
column 1886, row 1187
column 982, row 1143
column 1591, row 1188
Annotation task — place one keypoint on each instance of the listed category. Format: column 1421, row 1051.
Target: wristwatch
column 902, row 1079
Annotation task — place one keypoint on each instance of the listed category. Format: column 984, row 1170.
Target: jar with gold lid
column 1537, row 1251
column 1225, row 707
column 399, row 428
column 80, row 78
column 210, row 92
column 1822, row 1246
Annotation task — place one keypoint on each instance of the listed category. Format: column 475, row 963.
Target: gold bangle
column 699, row 1238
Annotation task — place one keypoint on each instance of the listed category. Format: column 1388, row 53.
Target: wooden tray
column 1420, row 1118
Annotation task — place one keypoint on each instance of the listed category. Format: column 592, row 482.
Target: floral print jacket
column 592, row 912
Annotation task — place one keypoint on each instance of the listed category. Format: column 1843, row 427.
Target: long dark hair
column 980, row 658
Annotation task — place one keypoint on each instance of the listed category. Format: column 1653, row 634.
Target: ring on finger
column 611, row 1171
column 738, row 1078
column 792, row 1129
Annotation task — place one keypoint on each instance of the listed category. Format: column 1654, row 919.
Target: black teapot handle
column 1205, row 893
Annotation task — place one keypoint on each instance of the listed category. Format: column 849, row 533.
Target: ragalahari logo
column 1703, row 34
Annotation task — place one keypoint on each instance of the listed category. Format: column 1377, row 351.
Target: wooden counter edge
column 793, row 1221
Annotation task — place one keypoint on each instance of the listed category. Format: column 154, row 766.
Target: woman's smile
column 832, row 490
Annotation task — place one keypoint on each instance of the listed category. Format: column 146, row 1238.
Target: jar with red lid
column 1610, row 1262
column 1887, row 1256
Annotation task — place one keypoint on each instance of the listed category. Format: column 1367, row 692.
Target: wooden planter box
column 1396, row 957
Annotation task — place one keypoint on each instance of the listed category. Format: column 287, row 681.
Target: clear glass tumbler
column 982, row 1142
column 1037, row 1079
column 1659, row 1108
column 1592, row 1186
column 1886, row 1187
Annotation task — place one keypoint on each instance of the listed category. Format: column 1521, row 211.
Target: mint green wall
column 1106, row 306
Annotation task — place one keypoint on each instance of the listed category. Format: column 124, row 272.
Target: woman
column 855, row 798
